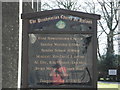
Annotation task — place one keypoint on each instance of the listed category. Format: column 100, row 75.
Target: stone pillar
column 10, row 41
column 10, row 27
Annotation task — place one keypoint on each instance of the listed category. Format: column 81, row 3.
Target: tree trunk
column 109, row 60
column 110, row 46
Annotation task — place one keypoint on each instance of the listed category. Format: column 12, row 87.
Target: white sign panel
column 112, row 72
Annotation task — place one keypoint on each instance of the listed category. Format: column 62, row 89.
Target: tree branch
column 98, row 50
column 100, row 34
column 102, row 27
column 116, row 19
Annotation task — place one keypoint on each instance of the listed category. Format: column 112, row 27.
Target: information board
column 71, row 50
column 59, row 50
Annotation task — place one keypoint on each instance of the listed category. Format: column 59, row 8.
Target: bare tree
column 108, row 23
column 110, row 16
column 62, row 4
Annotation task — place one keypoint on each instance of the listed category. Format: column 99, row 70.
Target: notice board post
column 59, row 49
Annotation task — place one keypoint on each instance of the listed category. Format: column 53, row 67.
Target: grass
column 108, row 85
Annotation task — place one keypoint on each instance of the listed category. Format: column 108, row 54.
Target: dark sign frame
column 26, row 17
